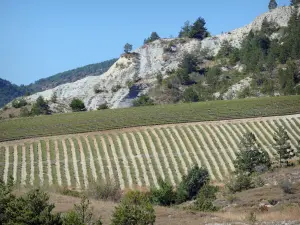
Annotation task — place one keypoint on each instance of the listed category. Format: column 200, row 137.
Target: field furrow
column 6, row 167
column 277, row 123
column 24, row 167
column 163, row 159
column 269, row 138
column 32, row 170
column 223, row 151
column 167, row 147
column 175, row 135
column 143, row 160
column 68, row 164
column 129, row 151
column 91, row 158
column 75, row 161
column 180, row 156
column 292, row 133
column 108, row 160
column 50, row 178
column 121, row 173
column 83, row 163
column 150, row 160
column 101, row 169
column 40, row 164
column 15, row 163
column 57, row 165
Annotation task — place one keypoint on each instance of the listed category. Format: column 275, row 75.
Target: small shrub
column 205, row 198
column 258, row 181
column 272, row 202
column 108, row 190
column 5, row 108
column 77, row 105
column 97, row 89
column 102, row 106
column 287, row 187
column 135, row 209
column 40, row 107
column 159, row 78
column 231, row 198
column 18, row 103
column 116, row 88
column 239, row 183
column 164, row 195
column 196, row 178
column 143, row 100
column 69, row 192
column 11, row 115
column 54, row 97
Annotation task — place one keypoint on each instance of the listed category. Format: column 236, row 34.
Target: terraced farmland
column 136, row 156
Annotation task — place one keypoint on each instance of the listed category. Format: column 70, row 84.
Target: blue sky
column 42, row 37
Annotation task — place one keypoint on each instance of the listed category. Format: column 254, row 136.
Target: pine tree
column 283, row 146
column 127, row 48
column 295, row 2
column 198, row 29
column 272, row 4
column 251, row 155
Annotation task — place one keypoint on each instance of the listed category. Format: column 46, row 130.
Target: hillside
column 9, row 91
column 137, row 157
column 211, row 77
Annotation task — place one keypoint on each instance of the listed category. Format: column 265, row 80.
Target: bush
column 77, row 105
column 134, row 209
column 239, row 183
column 192, row 183
column 190, row 95
column 287, row 187
column 143, row 100
column 164, row 195
column 18, row 103
column 105, row 190
column 40, row 107
column 102, row 106
column 205, row 198
column 54, row 97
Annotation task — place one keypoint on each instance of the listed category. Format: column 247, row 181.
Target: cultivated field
column 71, row 123
column 137, row 156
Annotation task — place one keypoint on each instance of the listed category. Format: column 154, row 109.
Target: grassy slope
column 71, row 123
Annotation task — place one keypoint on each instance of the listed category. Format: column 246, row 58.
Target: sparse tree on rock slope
column 251, row 155
column 198, row 29
column 127, row 48
column 295, row 2
column 154, row 36
column 273, row 4
column 283, row 145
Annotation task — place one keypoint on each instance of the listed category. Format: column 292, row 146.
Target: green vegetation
column 40, row 107
column 197, row 30
column 283, row 146
column 77, row 105
column 135, row 209
column 141, row 116
column 272, row 4
column 127, row 48
column 143, row 100
column 153, row 37
column 18, row 103
column 251, row 155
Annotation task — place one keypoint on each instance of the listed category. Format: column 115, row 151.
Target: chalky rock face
column 133, row 74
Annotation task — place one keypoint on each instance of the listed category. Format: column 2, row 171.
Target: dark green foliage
column 135, row 209
column 251, row 155
column 127, row 48
column 196, row 178
column 187, row 66
column 190, row 95
column 240, row 182
column 283, row 146
column 18, row 103
column 40, row 107
column 185, row 30
column 288, row 78
column 286, row 186
column 268, row 27
column 6, row 197
column 143, row 100
column 77, row 105
column 205, row 198
column 33, row 208
column 163, row 195
column 198, row 29
column 9, row 91
column 154, row 36
column 272, row 4
column 212, row 77
column 229, row 52
column 116, row 88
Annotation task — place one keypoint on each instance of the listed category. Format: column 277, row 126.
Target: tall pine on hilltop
column 272, row 4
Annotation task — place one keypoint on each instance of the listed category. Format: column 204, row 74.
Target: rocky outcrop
column 136, row 72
